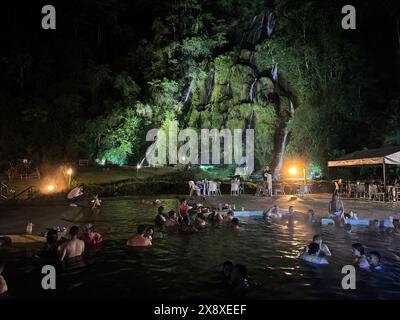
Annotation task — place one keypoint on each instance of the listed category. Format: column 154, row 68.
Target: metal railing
column 4, row 191
column 28, row 191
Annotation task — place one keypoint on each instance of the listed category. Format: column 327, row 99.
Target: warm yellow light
column 69, row 171
column 293, row 170
column 50, row 187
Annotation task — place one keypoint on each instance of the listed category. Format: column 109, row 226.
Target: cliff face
column 244, row 89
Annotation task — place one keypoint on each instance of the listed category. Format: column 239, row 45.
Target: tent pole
column 384, row 177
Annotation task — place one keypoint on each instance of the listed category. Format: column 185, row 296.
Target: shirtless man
column 272, row 212
column 324, row 250
column 172, row 220
column 73, row 248
column 140, row 240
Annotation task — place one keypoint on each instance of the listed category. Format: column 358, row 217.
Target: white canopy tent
column 382, row 156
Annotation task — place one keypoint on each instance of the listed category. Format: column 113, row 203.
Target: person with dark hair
column 91, row 237
column 212, row 216
column 149, row 233
column 50, row 248
column 239, row 277
column 200, row 220
column 75, row 195
column 235, row 223
column 312, row 254
column 374, row 260
column 161, row 217
column 336, row 208
column 323, row 248
column 139, row 240
column 73, row 248
column 172, row 220
column 229, row 216
column 360, row 258
column 227, row 268
column 183, row 208
column 3, row 283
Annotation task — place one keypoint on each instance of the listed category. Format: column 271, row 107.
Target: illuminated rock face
column 243, row 88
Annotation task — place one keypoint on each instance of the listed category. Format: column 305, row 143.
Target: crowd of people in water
column 193, row 218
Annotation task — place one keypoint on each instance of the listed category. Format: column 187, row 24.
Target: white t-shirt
column 76, row 192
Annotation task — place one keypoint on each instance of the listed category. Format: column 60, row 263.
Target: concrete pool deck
column 15, row 216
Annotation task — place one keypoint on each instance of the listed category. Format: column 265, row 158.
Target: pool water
column 188, row 266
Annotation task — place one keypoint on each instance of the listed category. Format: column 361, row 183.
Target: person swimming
column 272, row 212
column 3, row 283
column 200, row 221
column 139, row 240
column 312, row 254
column 229, row 216
column 227, row 268
column 235, row 223
column 183, row 208
column 172, row 220
column 374, row 260
column 360, row 258
column 161, row 217
column 50, row 249
column 149, row 233
column 91, row 237
column 290, row 212
column 323, row 248
column 73, row 248
column 211, row 217
column 156, row 201
column 238, row 277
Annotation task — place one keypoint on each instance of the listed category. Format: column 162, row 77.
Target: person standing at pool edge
column 75, row 195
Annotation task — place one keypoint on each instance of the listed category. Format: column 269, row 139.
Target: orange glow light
column 50, row 187
column 293, row 171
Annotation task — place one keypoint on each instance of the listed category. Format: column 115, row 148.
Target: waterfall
column 280, row 153
column 251, row 58
column 251, row 91
column 270, row 24
column 274, row 71
column 186, row 92
column 250, row 122
column 282, row 146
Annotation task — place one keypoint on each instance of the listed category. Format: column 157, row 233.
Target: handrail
column 3, row 187
column 28, row 189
